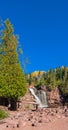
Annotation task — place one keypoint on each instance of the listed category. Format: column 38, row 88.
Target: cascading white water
column 43, row 101
column 36, row 97
column 43, row 98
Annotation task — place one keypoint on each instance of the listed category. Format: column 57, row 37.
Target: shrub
column 3, row 114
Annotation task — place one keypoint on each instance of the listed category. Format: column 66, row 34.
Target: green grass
column 27, row 106
column 3, row 114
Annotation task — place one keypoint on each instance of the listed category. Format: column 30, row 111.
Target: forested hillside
column 52, row 78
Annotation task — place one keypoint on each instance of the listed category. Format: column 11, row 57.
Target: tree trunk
column 12, row 104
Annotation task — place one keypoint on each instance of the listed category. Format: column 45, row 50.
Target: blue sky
column 42, row 26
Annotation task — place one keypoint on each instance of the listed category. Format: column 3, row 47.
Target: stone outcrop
column 54, row 97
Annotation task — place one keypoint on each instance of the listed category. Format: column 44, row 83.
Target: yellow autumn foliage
column 36, row 73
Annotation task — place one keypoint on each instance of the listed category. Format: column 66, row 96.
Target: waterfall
column 40, row 97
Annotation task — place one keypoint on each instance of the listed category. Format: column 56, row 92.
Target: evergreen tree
column 12, row 79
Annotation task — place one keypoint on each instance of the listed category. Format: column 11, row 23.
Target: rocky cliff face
column 54, row 98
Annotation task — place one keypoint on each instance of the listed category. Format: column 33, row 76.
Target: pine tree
column 12, row 79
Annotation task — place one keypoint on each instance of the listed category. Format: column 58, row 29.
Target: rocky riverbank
column 29, row 118
column 42, row 118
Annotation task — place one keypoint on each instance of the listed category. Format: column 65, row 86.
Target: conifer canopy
column 12, row 79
